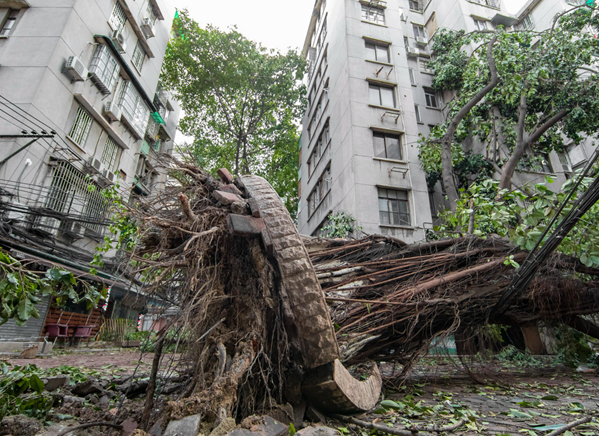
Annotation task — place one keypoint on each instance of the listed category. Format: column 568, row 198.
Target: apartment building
column 81, row 109
column 370, row 99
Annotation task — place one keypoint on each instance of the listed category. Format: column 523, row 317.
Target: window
column 104, row 69
column 418, row 115
column 387, row 145
column 110, row 154
column 322, row 187
column 373, row 14
column 134, row 108
column 416, row 5
column 381, row 95
column 425, row 68
column 480, row 24
column 81, row 127
column 419, row 31
column 431, row 98
column 393, row 207
column 70, row 194
column 491, row 3
column 526, row 23
column 150, row 12
column 117, row 18
column 139, row 56
column 319, row 148
column 9, row 23
column 412, row 76
column 375, row 52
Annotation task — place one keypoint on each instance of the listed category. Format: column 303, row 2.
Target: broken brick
column 225, row 175
column 226, row 198
column 230, row 188
column 244, row 225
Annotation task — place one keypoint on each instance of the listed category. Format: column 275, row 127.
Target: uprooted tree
column 519, row 93
column 229, row 255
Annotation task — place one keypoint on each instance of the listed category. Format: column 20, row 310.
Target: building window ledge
column 374, row 24
column 483, row 5
column 392, row 109
column 379, row 63
column 543, row 173
column 384, row 159
column 427, row 72
column 381, row 82
column 434, row 108
column 77, row 146
column 377, row 41
column 4, row 37
column 396, row 226
column 417, row 11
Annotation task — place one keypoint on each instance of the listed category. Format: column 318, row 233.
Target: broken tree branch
column 191, row 217
column 570, row 426
column 88, row 425
column 400, row 432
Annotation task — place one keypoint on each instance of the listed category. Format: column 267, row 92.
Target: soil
column 122, row 359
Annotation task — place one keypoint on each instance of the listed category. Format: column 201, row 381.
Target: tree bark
column 508, row 169
column 145, row 420
column 447, row 166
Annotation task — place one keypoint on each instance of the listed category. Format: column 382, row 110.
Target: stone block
column 53, row 383
column 267, row 241
column 225, row 175
column 261, row 426
column 188, row 426
column 86, row 388
column 20, row 425
column 239, row 207
column 318, row 431
column 156, row 429
column 226, row 198
column 244, row 225
column 129, row 426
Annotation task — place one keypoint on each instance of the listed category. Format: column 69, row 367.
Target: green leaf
column 36, row 384
column 390, row 404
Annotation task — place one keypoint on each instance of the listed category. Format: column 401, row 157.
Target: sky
column 274, row 23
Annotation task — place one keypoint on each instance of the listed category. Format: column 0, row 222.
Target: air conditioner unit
column 421, row 41
column 46, row 225
column 112, row 111
column 70, row 229
column 119, row 41
column 19, row 215
column 95, row 164
column 107, row 177
column 147, row 28
column 412, row 51
column 75, row 69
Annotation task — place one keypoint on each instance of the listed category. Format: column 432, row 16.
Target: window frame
column 118, row 18
column 412, row 75
column 80, row 133
column 376, row 48
column 137, row 61
column 418, row 114
column 431, row 96
column 11, row 17
column 372, row 11
column 386, row 137
column 419, row 28
column 480, row 25
column 383, row 194
column 379, row 87
column 111, row 154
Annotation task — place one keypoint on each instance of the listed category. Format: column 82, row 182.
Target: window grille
column 117, row 18
column 10, row 22
column 104, row 69
column 134, row 108
column 526, row 23
column 150, row 12
column 373, row 14
column 425, row 68
column 81, row 127
column 376, row 52
column 393, row 207
column 382, row 96
column 110, row 154
column 70, row 194
column 139, row 56
column 387, row 145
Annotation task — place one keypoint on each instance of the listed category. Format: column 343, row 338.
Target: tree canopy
column 241, row 102
column 518, row 93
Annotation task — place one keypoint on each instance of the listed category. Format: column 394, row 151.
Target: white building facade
column 370, row 100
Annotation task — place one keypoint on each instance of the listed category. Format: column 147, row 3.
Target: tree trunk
column 510, row 166
column 447, row 165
